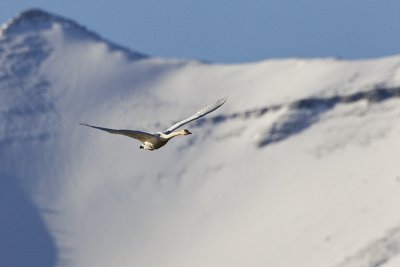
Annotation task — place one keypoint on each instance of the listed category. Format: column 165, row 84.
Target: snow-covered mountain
column 300, row 167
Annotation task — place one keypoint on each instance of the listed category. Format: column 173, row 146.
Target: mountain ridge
column 35, row 20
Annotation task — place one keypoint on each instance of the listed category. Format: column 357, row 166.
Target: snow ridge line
column 372, row 96
column 301, row 113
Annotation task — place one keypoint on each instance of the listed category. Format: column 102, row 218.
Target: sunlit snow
column 279, row 176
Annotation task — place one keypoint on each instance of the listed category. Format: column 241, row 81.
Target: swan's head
column 186, row 132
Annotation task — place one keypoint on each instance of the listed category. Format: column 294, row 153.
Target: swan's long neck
column 173, row 134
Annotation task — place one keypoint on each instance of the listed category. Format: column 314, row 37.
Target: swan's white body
column 152, row 141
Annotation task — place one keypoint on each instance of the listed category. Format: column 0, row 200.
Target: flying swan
column 152, row 141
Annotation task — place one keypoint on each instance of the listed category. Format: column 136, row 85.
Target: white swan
column 151, row 141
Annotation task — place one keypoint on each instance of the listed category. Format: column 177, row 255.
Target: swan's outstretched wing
column 199, row 114
column 141, row 136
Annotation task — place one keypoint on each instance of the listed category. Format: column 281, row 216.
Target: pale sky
column 235, row 31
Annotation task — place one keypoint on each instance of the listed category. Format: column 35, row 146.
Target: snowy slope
column 298, row 168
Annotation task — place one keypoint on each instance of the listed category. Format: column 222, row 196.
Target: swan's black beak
column 141, row 147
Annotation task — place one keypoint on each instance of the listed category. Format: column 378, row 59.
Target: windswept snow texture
column 378, row 253
column 300, row 167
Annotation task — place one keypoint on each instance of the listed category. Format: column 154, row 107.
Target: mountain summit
column 37, row 22
column 300, row 168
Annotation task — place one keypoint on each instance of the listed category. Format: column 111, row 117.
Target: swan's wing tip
column 222, row 100
column 204, row 111
column 219, row 102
